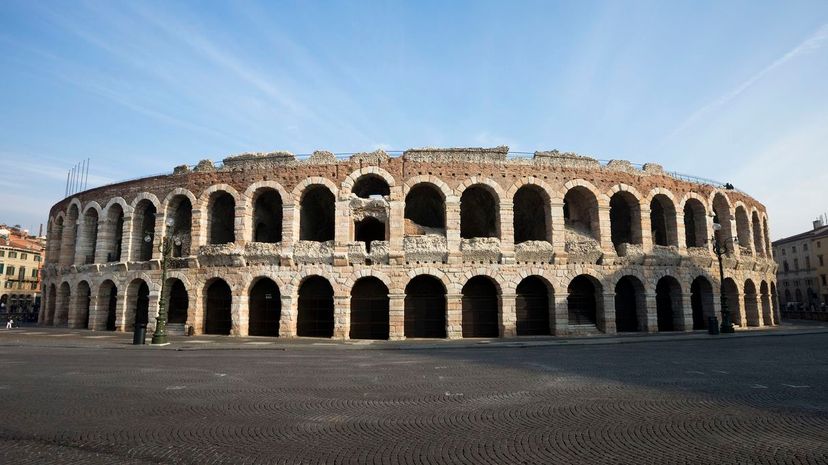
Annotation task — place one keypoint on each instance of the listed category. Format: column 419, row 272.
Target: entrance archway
column 480, row 308
column 701, row 302
column 108, row 299
column 532, row 307
column 369, row 309
column 767, row 313
column 217, row 316
column 582, row 300
column 265, row 308
column 630, row 305
column 142, row 304
column 84, row 299
column 316, row 308
column 751, row 304
column 668, row 303
column 178, row 302
column 425, row 308
column 734, row 303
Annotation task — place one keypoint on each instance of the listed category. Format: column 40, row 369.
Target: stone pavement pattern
column 750, row 400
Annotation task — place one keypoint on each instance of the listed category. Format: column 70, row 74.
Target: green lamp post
column 166, row 246
column 720, row 249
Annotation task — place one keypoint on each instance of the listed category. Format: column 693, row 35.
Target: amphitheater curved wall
column 554, row 244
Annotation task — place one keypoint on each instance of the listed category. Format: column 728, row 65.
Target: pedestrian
column 10, row 323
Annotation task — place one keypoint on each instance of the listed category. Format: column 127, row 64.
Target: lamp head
column 717, row 227
column 170, row 221
column 147, row 238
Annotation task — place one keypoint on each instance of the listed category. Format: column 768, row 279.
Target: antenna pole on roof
column 86, row 177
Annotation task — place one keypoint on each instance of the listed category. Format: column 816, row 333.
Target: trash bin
column 139, row 334
column 712, row 325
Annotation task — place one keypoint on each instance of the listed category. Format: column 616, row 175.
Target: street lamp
column 160, row 334
column 719, row 248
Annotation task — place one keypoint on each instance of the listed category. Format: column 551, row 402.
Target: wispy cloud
column 813, row 43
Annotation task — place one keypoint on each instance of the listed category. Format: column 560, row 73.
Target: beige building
column 803, row 269
column 21, row 257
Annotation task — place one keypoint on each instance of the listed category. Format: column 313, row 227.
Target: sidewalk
column 79, row 338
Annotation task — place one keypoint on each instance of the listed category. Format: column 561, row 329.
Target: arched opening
column 695, row 223
column 267, row 216
column 701, row 302
column 221, row 218
column 178, row 301
column 218, row 317
column 143, row 231
column 115, row 226
column 752, row 311
column 369, row 185
column 767, row 313
column 532, row 220
column 775, row 304
column 630, row 305
column 49, row 317
column 369, row 229
column 83, row 300
column 138, row 298
column 425, row 308
column 68, row 239
column 788, row 296
column 721, row 215
column 63, row 297
column 663, row 221
column 758, row 243
column 56, row 237
column 316, row 217
column 668, row 304
column 369, row 309
column 532, row 307
column 743, row 230
column 180, row 210
column 265, row 308
column 426, row 208
column 479, row 213
column 732, row 300
column 316, row 308
column 580, row 211
column 625, row 219
column 768, row 250
column 480, row 308
column 108, row 300
column 582, row 300
column 88, row 242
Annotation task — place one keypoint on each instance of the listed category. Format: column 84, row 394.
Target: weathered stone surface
column 566, row 159
column 252, row 161
column 468, row 155
column 534, row 252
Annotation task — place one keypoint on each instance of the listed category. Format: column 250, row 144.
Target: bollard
column 139, row 334
column 712, row 325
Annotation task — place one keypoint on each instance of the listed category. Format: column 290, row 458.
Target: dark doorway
column 369, row 309
column 142, row 305
column 145, row 236
column 531, row 210
column 316, row 308
column 424, row 206
column 84, row 301
column 178, row 304
column 425, row 308
column 370, row 184
column 182, row 214
column 629, row 300
column 695, row 223
column 316, row 215
column 734, row 303
column 532, row 307
column 478, row 213
column 480, row 308
column 701, row 302
column 111, row 310
column 265, row 308
column 218, row 319
column 625, row 219
column 582, row 301
column 369, row 229
column 222, row 218
column 267, row 217
column 668, row 303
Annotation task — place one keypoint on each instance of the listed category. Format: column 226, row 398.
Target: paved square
column 726, row 400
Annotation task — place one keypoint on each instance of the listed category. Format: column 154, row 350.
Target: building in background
column 803, row 269
column 21, row 258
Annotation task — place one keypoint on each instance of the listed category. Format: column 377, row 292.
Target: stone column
column 152, row 311
column 342, row 317
column 198, row 230
column 507, row 233
column 453, row 229
column 681, row 233
column 106, row 236
column 605, row 230
column 560, row 320
column 396, row 317
column 241, row 232
column 558, row 232
column 121, row 310
column 652, row 312
column 342, row 233
column 606, row 314
column 396, row 232
column 454, row 315
column 290, row 233
column 508, row 315
column 74, row 320
column 760, row 320
column 683, row 318
column 67, row 243
column 240, row 314
column 158, row 236
column 195, row 310
column 646, row 229
column 97, row 315
column 287, row 317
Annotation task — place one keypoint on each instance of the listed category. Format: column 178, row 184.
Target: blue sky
column 735, row 91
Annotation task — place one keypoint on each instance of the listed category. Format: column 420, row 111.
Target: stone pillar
column 97, row 315
column 560, row 320
column 605, row 230
column 240, row 314
column 760, row 318
column 342, row 232
column 74, row 319
column 287, row 317
column 396, row 317
column 198, row 230
column 508, row 315
column 709, row 230
column 241, row 233
column 454, row 315
column 121, row 310
column 126, row 238
column 646, row 229
column 289, row 236
column 558, row 226
column 683, row 318
column 652, row 312
column 507, row 232
column 453, row 229
column 606, row 313
column 681, row 234
column 152, row 311
column 67, row 243
column 396, row 232
column 160, row 229
column 342, row 317
column 195, row 310
column 106, row 237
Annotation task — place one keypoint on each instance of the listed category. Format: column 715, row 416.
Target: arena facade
column 429, row 243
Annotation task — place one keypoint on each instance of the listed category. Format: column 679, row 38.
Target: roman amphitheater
column 428, row 243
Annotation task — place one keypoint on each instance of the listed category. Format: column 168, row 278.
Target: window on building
column 824, row 281
column 2, row 253
column 34, row 273
column 12, row 254
column 785, row 266
column 10, row 271
column 793, row 249
column 24, row 256
column 821, row 260
column 1, row 267
column 784, row 251
column 819, row 244
column 807, row 263
column 805, row 246
column 796, row 264
column 37, row 258
column 34, row 285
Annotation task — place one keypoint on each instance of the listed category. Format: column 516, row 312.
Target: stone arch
column 221, row 217
column 351, row 279
column 580, row 209
column 663, row 217
column 80, row 314
column 369, row 171
column 756, row 227
column 584, row 300
column 480, row 209
column 250, row 196
column 49, row 315
column 179, row 205
column 701, row 301
column 732, row 298
column 425, row 307
column 125, row 206
column 722, row 213
column 70, row 233
column 436, row 182
column 630, row 304
column 302, row 186
column 315, row 308
column 111, row 238
column 64, row 296
column 266, row 212
column 145, row 211
column 481, row 307
column 669, row 308
column 534, row 306
column 765, row 298
column 218, row 306
column 137, row 302
column 625, row 217
column 369, row 309
column 317, row 210
column 87, row 241
column 264, row 306
column 753, row 314
column 107, row 300
column 177, row 299
column 425, row 206
column 695, row 220
column 55, row 238
column 440, row 275
column 743, row 228
column 532, row 213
